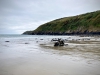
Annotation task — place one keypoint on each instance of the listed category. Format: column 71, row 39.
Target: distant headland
column 88, row 23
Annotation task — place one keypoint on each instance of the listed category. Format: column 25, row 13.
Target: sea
column 36, row 55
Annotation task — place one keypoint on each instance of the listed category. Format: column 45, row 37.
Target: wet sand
column 36, row 56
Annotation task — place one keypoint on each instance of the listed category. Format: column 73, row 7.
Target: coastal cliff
column 88, row 23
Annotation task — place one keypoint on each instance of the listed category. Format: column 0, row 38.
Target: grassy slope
column 89, row 22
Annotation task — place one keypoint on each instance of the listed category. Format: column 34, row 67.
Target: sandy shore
column 38, row 56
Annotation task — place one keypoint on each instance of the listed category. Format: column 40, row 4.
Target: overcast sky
column 17, row 16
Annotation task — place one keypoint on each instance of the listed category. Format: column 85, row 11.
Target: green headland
column 88, row 23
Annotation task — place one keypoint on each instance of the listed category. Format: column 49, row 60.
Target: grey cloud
column 18, row 15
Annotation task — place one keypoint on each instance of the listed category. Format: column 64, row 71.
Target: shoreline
column 63, row 34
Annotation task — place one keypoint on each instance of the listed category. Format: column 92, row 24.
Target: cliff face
column 88, row 23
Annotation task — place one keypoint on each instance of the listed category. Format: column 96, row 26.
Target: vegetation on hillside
column 84, row 23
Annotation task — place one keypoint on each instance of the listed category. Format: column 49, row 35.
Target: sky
column 18, row 16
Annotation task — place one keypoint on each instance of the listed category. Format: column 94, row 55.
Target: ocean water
column 36, row 55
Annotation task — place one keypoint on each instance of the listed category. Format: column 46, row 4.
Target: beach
column 36, row 55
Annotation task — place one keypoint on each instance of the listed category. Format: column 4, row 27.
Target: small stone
column 26, row 43
column 7, row 41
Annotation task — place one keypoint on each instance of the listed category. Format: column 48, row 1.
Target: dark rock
column 26, row 43
column 41, row 39
column 54, row 39
column 7, row 41
column 37, row 41
column 56, row 44
column 59, row 42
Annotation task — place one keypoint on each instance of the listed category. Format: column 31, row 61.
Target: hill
column 88, row 23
